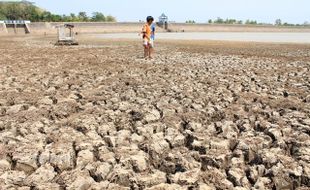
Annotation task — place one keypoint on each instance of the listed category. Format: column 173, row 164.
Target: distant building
column 163, row 19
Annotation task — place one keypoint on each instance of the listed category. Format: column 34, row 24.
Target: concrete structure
column 163, row 18
column 163, row 21
column 89, row 27
column 15, row 25
column 66, row 35
column 3, row 27
column 49, row 28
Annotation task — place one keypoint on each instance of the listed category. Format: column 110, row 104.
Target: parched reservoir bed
column 273, row 37
column 199, row 115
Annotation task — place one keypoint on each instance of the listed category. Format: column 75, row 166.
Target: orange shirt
column 147, row 31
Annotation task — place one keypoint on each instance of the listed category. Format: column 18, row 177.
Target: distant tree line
column 27, row 11
column 278, row 22
column 190, row 22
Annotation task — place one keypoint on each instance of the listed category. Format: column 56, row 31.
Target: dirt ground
column 202, row 115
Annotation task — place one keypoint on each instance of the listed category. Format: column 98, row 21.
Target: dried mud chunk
column 44, row 174
column 255, row 172
column 116, row 186
column 110, row 141
column 46, row 101
column 136, row 116
column 271, row 156
column 16, row 109
column 124, row 106
column 106, row 155
column 120, row 176
column 152, row 179
column 2, row 111
column 175, row 138
column 263, row 183
column 186, row 178
column 159, row 145
column 165, row 186
column 84, row 157
column 205, row 187
column 139, row 162
column 238, row 177
column 216, row 177
column 25, row 159
column 301, row 151
column 106, row 129
column 283, row 182
column 81, row 183
column 64, row 108
column 123, row 138
column 220, row 145
column 152, row 115
column 59, row 155
column 209, row 161
column 70, row 178
column 275, row 134
column 49, row 186
column 103, row 170
column 135, row 138
column 230, row 130
column 4, row 166
column 13, row 178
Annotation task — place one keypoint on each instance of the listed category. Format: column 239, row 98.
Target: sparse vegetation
column 249, row 22
column 28, row 11
column 190, row 22
column 227, row 21
column 278, row 22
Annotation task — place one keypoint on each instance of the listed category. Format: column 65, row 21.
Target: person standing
column 147, row 37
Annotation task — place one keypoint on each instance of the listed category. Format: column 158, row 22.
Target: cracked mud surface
column 201, row 115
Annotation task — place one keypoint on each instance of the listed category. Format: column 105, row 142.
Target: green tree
column 46, row 16
column 190, row 22
column 110, row 18
column 219, row 20
column 98, row 17
column 232, row 21
column 251, row 22
column 83, row 17
column 25, row 10
column 73, row 17
column 210, row 21
column 56, row 18
column 2, row 17
column 278, row 22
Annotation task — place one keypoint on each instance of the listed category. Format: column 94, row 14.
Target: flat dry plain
column 201, row 115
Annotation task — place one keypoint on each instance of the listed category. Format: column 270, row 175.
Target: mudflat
column 200, row 115
column 267, row 37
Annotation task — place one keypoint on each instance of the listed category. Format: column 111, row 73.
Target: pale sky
column 292, row 11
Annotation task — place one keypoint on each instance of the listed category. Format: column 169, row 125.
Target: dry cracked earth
column 201, row 115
